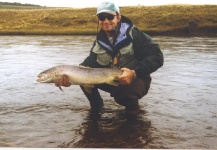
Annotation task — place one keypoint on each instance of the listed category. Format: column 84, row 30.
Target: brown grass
column 161, row 20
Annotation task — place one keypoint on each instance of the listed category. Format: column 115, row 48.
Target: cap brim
column 107, row 11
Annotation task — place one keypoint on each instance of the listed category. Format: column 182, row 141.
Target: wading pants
column 126, row 95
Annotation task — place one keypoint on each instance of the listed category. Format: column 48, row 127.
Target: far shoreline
column 166, row 20
column 211, row 32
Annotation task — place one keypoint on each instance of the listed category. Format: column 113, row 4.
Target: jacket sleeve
column 147, row 52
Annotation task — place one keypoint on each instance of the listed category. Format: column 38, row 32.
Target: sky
column 94, row 3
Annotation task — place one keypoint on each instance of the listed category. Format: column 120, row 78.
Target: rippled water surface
column 179, row 110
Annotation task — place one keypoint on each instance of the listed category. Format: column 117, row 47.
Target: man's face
column 108, row 22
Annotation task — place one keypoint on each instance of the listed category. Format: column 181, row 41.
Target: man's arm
column 147, row 52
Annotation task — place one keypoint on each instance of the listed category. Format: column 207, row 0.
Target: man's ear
column 119, row 17
column 97, row 19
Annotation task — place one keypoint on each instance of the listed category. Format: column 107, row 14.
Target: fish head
column 49, row 76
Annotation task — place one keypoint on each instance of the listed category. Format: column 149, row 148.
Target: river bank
column 173, row 20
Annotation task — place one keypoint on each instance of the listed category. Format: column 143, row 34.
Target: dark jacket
column 146, row 53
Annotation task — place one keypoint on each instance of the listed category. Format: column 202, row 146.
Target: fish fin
column 88, row 88
column 114, row 82
column 60, row 88
column 84, row 67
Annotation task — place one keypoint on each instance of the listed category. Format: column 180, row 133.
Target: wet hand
column 127, row 76
column 64, row 81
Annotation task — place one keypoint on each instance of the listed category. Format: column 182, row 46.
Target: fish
column 80, row 75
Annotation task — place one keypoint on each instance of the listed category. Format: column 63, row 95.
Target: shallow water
column 179, row 110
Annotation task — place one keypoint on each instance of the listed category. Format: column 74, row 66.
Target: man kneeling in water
column 119, row 44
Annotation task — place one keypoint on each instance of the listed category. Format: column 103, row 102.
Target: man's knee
column 130, row 94
column 136, row 90
column 127, row 102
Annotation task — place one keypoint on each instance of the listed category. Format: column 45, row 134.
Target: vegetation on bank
column 154, row 20
column 15, row 5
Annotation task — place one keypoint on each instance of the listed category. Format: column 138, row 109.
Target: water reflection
column 113, row 130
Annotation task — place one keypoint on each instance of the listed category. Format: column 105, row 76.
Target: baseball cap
column 107, row 7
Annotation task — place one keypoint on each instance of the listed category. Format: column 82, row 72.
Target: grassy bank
column 154, row 20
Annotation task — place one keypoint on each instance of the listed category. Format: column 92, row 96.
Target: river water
column 179, row 110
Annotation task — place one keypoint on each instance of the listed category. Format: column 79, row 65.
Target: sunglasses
column 102, row 17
